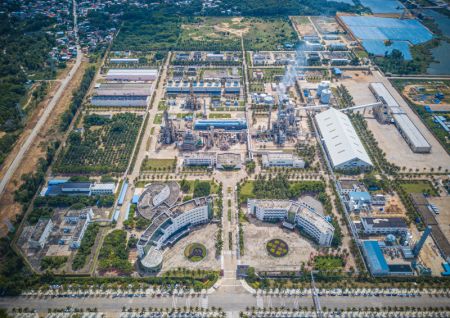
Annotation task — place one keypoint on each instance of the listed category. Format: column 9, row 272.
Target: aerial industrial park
column 212, row 159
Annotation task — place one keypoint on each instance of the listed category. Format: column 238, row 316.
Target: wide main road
column 48, row 110
column 226, row 299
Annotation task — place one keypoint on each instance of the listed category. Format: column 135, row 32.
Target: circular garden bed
column 195, row 252
column 277, row 248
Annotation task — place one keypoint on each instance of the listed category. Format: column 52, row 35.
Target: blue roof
column 135, row 199
column 337, row 71
column 383, row 6
column 373, row 31
column 122, row 193
column 379, row 48
column 224, row 124
column 375, row 258
column 360, row 195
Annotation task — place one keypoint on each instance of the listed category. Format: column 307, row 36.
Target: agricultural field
column 101, row 145
column 269, row 35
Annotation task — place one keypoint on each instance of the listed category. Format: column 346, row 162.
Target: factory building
column 376, row 262
column 337, row 46
column 126, row 74
column 196, row 87
column 391, row 111
column 122, row 94
column 226, row 124
column 40, row 233
column 124, row 61
column 232, row 87
column 302, row 215
column 282, row 159
column 78, row 188
column 200, row 159
column 80, row 220
column 359, row 201
column 383, row 226
column 342, row 144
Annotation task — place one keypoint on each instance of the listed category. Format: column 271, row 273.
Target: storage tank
column 323, row 85
column 325, row 96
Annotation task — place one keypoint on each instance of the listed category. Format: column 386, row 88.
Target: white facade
column 40, row 233
column 282, row 160
column 195, row 213
column 132, row 74
column 343, row 146
column 305, row 217
column 103, row 188
column 383, row 226
column 201, row 159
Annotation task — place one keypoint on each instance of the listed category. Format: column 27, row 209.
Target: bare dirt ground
column 174, row 256
column 8, row 207
column 443, row 218
column 388, row 137
column 257, row 234
column 27, row 130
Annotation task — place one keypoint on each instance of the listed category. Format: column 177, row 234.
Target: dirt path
column 8, row 207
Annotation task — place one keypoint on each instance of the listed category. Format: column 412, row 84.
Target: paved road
column 229, row 302
column 48, row 110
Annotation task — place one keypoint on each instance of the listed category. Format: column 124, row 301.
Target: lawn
column 212, row 33
column 219, row 115
column 269, row 34
column 422, row 186
column 158, row 164
column 328, row 263
column 246, row 191
column 158, row 119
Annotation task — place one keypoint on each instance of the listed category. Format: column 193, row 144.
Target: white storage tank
column 323, row 85
column 325, row 96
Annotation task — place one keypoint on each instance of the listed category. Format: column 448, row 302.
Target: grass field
column 158, row 164
column 269, row 34
column 215, row 33
column 158, row 119
column 328, row 263
column 418, row 187
column 219, row 115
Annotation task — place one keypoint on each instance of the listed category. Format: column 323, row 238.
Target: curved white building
column 303, row 216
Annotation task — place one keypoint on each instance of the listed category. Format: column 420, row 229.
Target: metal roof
column 375, row 258
column 341, row 140
column 410, row 130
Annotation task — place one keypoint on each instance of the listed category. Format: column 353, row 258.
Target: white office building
column 384, row 225
column 40, row 233
column 342, row 144
column 199, row 159
column 304, row 217
column 281, row 159
column 103, row 188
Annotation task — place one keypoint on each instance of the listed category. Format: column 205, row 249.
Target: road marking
column 259, row 301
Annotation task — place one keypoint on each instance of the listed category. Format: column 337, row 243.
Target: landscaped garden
column 277, row 248
column 195, row 252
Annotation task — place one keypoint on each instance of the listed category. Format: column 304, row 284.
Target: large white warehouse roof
column 129, row 71
column 342, row 142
